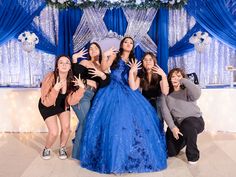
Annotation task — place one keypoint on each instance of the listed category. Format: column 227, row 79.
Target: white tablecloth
column 219, row 109
column 19, row 110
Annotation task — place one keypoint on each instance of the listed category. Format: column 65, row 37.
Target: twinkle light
column 18, row 117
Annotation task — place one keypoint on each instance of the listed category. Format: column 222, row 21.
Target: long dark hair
column 70, row 76
column 118, row 56
column 155, row 78
column 171, row 72
column 100, row 51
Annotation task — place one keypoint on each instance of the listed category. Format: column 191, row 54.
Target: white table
column 219, row 109
column 19, row 110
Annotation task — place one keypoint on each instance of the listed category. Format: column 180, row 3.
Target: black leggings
column 190, row 128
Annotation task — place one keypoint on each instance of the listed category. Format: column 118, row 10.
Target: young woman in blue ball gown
column 123, row 133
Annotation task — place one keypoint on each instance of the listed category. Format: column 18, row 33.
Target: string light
column 21, row 112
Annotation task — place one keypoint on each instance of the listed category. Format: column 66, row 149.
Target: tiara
column 110, row 34
column 129, row 36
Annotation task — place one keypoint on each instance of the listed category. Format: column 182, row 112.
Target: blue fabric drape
column 68, row 22
column 214, row 16
column 115, row 20
column 14, row 17
column 183, row 46
column 162, row 49
column 44, row 43
column 231, row 6
column 153, row 32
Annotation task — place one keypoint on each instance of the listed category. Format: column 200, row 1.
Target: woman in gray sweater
column 182, row 115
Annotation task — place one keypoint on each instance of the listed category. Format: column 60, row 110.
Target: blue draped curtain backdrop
column 16, row 15
column 216, row 18
column 183, row 46
column 162, row 47
column 231, row 5
column 44, row 44
column 68, row 21
column 114, row 19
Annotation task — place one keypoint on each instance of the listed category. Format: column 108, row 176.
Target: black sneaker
column 46, row 155
column 62, row 153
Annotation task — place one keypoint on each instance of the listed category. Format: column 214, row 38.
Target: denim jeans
column 81, row 109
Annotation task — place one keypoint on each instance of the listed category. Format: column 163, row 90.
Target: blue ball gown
column 123, row 133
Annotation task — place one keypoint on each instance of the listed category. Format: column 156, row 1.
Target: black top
column 152, row 92
column 84, row 74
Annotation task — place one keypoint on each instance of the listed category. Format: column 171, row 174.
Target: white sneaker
column 193, row 162
column 62, row 153
column 46, row 154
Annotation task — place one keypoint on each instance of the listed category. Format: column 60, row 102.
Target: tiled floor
column 20, row 157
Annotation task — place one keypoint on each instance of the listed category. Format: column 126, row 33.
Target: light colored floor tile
column 20, row 157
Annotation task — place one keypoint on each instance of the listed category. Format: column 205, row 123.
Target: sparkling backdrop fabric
column 19, row 68
column 139, row 23
column 91, row 26
column 210, row 64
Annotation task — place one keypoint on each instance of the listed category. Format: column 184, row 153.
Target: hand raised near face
column 134, row 65
column 59, row 84
column 80, row 54
column 157, row 70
